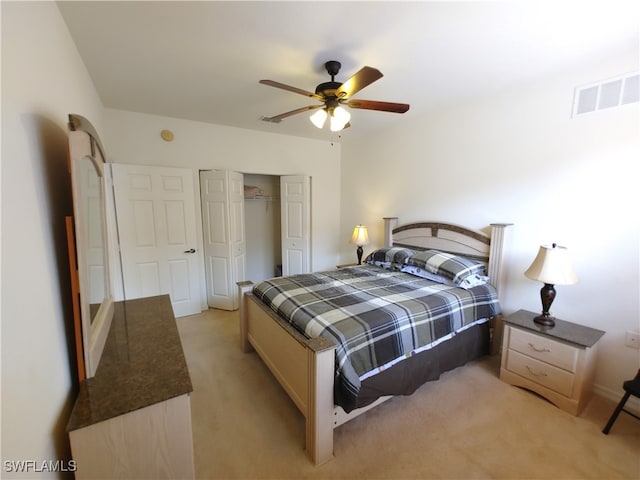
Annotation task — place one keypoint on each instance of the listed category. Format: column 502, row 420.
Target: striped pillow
column 454, row 267
column 389, row 257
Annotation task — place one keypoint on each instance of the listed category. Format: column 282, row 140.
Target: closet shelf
column 267, row 198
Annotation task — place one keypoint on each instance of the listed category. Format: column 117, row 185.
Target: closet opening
column 255, row 226
column 262, row 226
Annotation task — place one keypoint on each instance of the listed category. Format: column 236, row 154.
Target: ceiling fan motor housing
column 327, row 89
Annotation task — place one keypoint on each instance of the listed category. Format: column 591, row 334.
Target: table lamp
column 551, row 267
column 360, row 237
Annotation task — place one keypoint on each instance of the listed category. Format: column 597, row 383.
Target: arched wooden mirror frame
column 92, row 293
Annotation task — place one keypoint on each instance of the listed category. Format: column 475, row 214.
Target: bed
column 332, row 379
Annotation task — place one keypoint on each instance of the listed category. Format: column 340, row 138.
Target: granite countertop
column 579, row 335
column 142, row 364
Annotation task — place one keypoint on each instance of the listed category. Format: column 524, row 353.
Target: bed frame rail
column 304, row 367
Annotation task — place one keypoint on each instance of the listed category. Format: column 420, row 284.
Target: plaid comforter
column 374, row 316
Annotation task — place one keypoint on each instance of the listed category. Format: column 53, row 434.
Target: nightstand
column 557, row 363
column 347, row 265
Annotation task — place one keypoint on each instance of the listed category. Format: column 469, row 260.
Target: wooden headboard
column 456, row 239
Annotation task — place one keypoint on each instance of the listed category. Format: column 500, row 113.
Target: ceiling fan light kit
column 339, row 117
column 334, row 96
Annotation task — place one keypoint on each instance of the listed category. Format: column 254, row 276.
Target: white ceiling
column 202, row 60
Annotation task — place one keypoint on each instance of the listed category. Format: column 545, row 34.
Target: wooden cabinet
column 557, row 363
column 151, row 442
column 133, row 418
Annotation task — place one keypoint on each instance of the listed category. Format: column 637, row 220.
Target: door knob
column 192, row 250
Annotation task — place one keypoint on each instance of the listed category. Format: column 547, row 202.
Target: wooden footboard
column 304, row 367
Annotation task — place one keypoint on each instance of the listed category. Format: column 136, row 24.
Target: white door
column 155, row 208
column 295, row 194
column 222, row 197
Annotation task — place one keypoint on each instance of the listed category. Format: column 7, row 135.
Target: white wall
column 518, row 157
column 43, row 80
column 134, row 138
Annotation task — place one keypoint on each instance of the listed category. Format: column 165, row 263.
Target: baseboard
column 632, row 404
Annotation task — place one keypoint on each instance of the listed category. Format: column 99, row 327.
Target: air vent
column 609, row 93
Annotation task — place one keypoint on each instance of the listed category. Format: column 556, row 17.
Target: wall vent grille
column 609, row 93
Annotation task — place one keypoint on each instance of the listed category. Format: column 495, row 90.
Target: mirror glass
column 91, row 206
column 95, row 303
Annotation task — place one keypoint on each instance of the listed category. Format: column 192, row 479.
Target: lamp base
column 547, row 294
column 546, row 320
column 359, row 254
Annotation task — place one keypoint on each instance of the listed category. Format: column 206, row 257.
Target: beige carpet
column 466, row 425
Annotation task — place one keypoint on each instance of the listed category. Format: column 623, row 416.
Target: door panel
column 179, row 275
column 219, row 268
column 295, row 261
column 155, row 208
column 295, row 194
column 175, row 215
column 147, row 280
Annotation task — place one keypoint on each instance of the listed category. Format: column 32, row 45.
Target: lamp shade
column 339, row 118
column 360, row 235
column 319, row 118
column 552, row 266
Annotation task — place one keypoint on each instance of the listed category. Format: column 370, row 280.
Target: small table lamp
column 551, row 267
column 360, row 237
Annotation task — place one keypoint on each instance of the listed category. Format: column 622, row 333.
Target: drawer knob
column 541, row 374
column 541, row 350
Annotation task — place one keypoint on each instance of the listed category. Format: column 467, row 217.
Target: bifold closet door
column 295, row 204
column 222, row 197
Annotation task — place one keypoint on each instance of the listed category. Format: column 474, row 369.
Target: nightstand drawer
column 545, row 349
column 546, row 375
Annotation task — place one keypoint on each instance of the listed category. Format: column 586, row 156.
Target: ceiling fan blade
column 363, row 77
column 278, row 118
column 375, row 105
column 289, row 88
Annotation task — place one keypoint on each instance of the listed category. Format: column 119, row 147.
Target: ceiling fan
column 334, row 95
